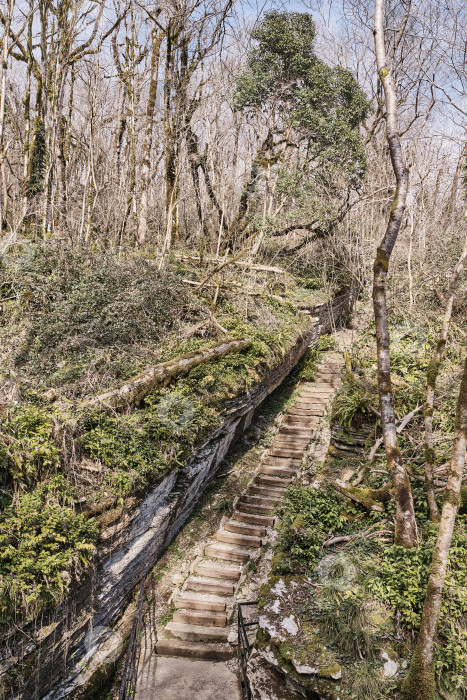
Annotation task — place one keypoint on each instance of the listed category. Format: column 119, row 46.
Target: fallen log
column 135, row 389
column 239, row 263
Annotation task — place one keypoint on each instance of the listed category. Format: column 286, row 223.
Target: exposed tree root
column 370, row 498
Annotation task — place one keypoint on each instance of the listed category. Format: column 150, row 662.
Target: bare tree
column 406, row 528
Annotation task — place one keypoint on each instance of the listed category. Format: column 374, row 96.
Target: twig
column 399, row 429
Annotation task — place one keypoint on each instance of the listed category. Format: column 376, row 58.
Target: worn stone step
column 244, row 528
column 302, row 421
column 236, row 538
column 194, row 633
column 218, row 551
column 252, row 508
column 199, row 602
column 283, row 452
column 254, row 519
column 313, row 421
column 264, row 480
column 277, row 471
column 284, row 440
column 287, row 452
column 194, row 650
column 207, row 585
column 271, row 501
column 214, row 570
column 200, row 617
column 309, row 433
column 291, row 443
column 287, row 463
column 266, row 491
column 303, row 404
column 299, row 411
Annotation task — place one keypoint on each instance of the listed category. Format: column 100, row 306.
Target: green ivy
column 307, row 517
column 400, row 579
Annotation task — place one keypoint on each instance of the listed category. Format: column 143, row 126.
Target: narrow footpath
column 194, row 655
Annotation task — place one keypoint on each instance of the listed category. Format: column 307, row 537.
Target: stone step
column 244, row 528
column 290, row 442
column 194, row 650
column 313, row 421
column 283, row 452
column 199, row 602
column 277, row 471
column 309, row 433
column 299, row 411
column 195, row 633
column 308, row 405
column 266, row 491
column 273, row 481
column 213, row 570
column 200, row 617
column 207, row 585
column 260, row 500
column 302, row 421
column 218, row 551
column 251, row 508
column 284, row 440
column 253, row 519
column 287, row 463
column 237, row 538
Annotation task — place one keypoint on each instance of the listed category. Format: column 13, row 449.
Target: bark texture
column 406, row 529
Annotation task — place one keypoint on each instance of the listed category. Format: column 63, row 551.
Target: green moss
column 44, row 542
column 381, row 260
column 432, row 372
column 419, row 684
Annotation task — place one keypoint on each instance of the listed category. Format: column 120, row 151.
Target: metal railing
column 130, row 668
column 244, row 648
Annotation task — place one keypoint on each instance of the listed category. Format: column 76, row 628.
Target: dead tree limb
column 134, row 390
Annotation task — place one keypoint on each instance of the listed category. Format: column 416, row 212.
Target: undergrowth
column 366, row 596
column 74, row 324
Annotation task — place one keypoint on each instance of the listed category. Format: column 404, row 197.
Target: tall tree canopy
column 310, row 112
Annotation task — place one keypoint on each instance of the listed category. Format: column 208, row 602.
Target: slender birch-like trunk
column 406, row 528
column 4, row 68
column 147, row 145
column 420, row 681
column 431, row 378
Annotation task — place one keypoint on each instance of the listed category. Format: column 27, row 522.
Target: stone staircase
column 204, row 603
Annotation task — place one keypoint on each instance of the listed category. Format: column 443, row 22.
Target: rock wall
column 48, row 658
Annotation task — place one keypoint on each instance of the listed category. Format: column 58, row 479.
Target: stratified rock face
column 135, row 543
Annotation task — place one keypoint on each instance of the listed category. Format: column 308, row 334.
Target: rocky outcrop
column 49, row 658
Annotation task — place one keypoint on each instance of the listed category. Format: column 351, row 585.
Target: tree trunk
column 431, row 378
column 420, row 681
column 27, row 125
column 4, row 68
column 406, row 528
column 146, row 156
